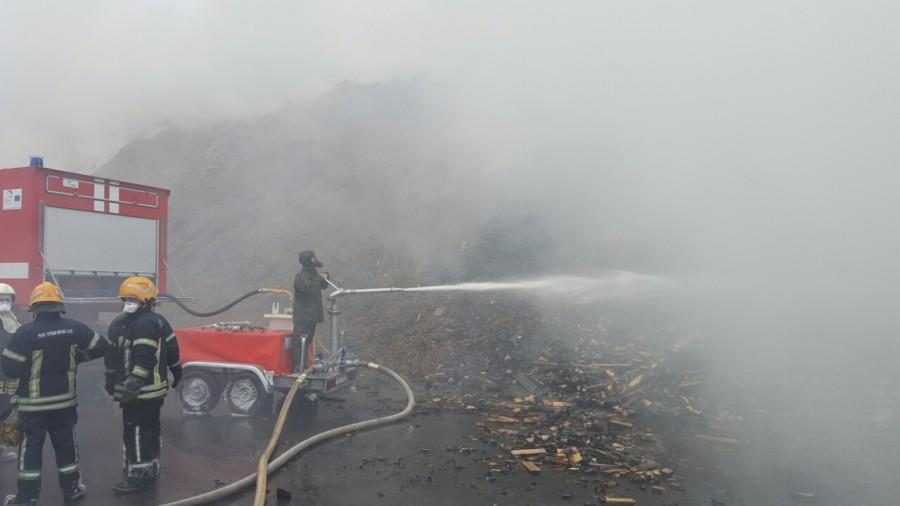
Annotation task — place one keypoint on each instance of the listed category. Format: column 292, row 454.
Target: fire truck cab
column 82, row 232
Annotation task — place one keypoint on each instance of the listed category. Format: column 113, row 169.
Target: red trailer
column 246, row 366
column 82, row 232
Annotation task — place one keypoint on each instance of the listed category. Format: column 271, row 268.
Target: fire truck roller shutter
column 87, row 241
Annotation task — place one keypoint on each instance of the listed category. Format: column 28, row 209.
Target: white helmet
column 7, row 290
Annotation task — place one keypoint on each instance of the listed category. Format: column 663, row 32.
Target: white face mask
column 5, row 306
column 130, row 307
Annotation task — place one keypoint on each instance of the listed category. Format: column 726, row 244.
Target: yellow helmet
column 45, row 293
column 138, row 287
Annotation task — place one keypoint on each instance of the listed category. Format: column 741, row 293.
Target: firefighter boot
column 77, row 494
column 12, row 500
column 133, row 485
column 7, row 455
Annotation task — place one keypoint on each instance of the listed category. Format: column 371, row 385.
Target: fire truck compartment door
column 87, row 241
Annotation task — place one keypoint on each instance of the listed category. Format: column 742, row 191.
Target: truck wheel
column 199, row 392
column 245, row 395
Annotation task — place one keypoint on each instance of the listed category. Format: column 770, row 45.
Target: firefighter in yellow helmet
column 9, row 323
column 144, row 350
column 44, row 355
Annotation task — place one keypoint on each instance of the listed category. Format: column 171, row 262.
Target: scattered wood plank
column 804, row 497
column 719, row 440
column 620, row 423
column 575, row 458
column 501, row 419
column 605, row 366
column 620, row 500
column 531, row 467
column 635, row 382
column 528, row 452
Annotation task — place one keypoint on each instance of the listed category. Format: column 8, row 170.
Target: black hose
column 206, row 314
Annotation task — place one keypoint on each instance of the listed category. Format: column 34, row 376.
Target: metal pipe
column 362, row 291
column 333, row 313
column 301, row 361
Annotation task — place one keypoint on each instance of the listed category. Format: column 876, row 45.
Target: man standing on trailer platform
column 308, row 309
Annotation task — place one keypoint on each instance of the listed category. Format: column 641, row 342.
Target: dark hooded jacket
column 308, row 286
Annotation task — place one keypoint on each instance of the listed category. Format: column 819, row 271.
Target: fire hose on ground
column 260, row 477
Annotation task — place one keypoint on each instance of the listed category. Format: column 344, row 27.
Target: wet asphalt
column 432, row 458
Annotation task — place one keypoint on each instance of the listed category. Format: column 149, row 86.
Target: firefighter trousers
column 5, row 401
column 141, row 435
column 60, row 425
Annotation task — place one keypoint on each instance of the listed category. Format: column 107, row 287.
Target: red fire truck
column 84, row 233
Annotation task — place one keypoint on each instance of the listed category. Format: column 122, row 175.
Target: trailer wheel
column 199, row 392
column 245, row 395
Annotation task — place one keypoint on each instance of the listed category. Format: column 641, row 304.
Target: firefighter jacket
column 8, row 326
column 308, row 286
column 44, row 356
column 143, row 346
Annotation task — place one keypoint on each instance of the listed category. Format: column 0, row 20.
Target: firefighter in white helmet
column 9, row 323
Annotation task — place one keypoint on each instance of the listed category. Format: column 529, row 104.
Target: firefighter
column 144, row 350
column 44, row 355
column 9, row 323
column 308, row 310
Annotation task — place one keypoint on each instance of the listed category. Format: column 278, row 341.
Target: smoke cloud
column 746, row 149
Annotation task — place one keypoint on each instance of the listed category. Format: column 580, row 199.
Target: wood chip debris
column 581, row 410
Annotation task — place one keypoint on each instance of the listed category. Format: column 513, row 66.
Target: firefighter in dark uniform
column 308, row 310
column 44, row 356
column 9, row 323
column 144, row 350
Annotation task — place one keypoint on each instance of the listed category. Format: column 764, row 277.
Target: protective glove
column 176, row 376
column 132, row 387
